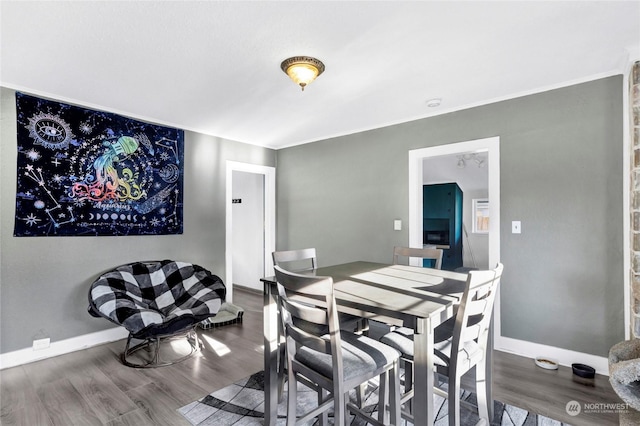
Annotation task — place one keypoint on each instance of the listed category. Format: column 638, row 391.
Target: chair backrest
column 322, row 316
column 424, row 253
column 474, row 313
column 298, row 259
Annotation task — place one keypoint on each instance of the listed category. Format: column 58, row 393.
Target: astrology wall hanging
column 86, row 172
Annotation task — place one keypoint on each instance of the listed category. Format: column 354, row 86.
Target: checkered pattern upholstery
column 156, row 298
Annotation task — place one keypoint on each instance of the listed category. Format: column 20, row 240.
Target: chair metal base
column 152, row 345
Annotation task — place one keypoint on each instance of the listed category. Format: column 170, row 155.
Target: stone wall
column 634, row 102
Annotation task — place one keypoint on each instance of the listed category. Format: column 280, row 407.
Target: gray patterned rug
column 242, row 404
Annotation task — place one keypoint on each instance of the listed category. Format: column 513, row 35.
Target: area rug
column 242, row 404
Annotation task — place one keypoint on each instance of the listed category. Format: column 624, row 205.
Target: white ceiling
column 214, row 66
column 445, row 169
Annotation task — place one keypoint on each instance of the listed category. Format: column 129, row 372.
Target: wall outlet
column 516, row 227
column 40, row 344
column 397, row 225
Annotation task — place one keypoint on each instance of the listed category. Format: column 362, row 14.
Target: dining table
column 401, row 295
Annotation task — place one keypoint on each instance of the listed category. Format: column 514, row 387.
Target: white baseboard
column 563, row 356
column 25, row 356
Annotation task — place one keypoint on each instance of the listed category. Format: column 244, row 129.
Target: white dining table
column 415, row 297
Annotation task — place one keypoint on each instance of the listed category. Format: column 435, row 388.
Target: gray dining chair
column 460, row 344
column 296, row 260
column 301, row 260
column 331, row 363
column 424, row 253
column 306, row 260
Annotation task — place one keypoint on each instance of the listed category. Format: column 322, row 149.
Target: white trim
column 269, row 218
column 563, row 356
column 416, row 157
column 25, row 356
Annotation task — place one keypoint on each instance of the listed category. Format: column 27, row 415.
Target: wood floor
column 92, row 387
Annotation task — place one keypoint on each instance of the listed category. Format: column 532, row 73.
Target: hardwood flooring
column 92, row 387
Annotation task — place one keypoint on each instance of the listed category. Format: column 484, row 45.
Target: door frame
column 269, row 174
column 416, row 157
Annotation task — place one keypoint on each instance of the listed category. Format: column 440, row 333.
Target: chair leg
column 340, row 411
column 482, row 390
column 361, row 391
column 363, row 327
column 282, row 368
column 394, row 395
column 324, row 416
column 383, row 398
column 156, row 351
column 408, row 383
column 292, row 398
column 454, row 399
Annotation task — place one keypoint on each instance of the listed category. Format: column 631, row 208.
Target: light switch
column 516, row 227
column 397, row 225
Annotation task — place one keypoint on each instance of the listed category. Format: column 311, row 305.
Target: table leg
column 423, row 382
column 271, row 347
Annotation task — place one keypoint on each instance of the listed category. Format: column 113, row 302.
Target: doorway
column 463, row 223
column 490, row 146
column 250, row 225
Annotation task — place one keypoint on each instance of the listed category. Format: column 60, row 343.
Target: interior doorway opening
column 461, row 222
column 258, row 263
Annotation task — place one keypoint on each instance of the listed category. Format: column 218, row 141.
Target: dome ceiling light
column 302, row 69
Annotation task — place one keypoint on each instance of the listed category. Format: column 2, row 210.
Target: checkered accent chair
column 158, row 298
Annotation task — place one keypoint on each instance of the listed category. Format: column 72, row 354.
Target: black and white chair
column 335, row 362
column 460, row 344
column 156, row 301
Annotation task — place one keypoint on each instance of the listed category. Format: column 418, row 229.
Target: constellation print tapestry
column 86, row 172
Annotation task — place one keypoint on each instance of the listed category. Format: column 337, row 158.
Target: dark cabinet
column 442, row 221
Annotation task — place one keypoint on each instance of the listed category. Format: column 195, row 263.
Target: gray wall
column 44, row 280
column 561, row 175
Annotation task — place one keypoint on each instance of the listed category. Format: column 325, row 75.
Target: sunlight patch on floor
column 219, row 348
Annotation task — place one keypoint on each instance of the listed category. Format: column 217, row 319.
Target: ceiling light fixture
column 302, row 69
column 435, row 102
column 462, row 160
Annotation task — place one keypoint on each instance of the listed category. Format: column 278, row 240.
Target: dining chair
column 424, row 253
column 460, row 344
column 296, row 258
column 306, row 260
column 332, row 363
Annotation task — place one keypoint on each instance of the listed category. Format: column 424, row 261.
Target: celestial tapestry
column 86, row 172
